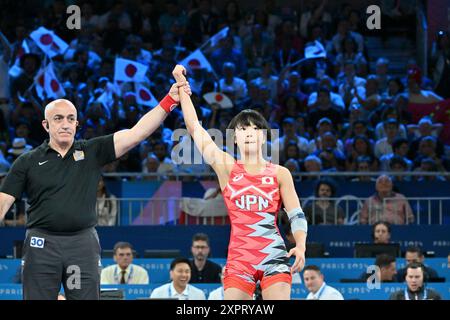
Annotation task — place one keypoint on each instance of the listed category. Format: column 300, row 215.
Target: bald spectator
column 386, row 205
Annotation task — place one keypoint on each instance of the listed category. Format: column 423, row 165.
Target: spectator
column 342, row 32
column 314, row 14
column 350, row 52
column 350, row 84
column 415, row 255
column 203, row 23
column 332, row 158
column 325, row 109
column 258, row 49
column 318, row 289
column 124, row 271
column 290, row 135
column 226, row 53
column 394, row 88
column 381, row 232
column 293, row 166
column 268, row 79
column 398, row 164
column 218, row 294
column 179, row 288
column 361, row 147
column 19, row 147
column 442, row 66
column 388, row 114
column 381, row 72
column 428, row 148
column 312, row 164
column 106, row 205
column 364, row 164
column 425, row 127
column 323, row 210
column 386, row 270
column 429, row 165
column 235, row 88
column 335, row 98
column 203, row 270
column 383, row 146
column 415, row 285
column 400, row 148
column 415, row 93
column 386, row 205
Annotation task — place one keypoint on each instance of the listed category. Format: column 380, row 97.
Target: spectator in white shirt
column 124, row 272
column 234, row 87
column 318, row 289
column 179, row 288
column 218, row 294
column 384, row 146
column 335, row 98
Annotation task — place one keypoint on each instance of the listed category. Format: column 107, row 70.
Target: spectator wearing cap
column 324, row 125
column 415, row 93
column 400, row 147
column 429, row 165
column 383, row 146
column 335, row 98
column 386, row 205
column 325, row 108
column 234, row 87
column 19, row 147
column 289, row 134
column 332, row 158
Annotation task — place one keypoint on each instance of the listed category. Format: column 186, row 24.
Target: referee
column 60, row 179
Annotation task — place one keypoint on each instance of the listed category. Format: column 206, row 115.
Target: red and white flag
column 144, row 96
column 47, row 85
column 196, row 60
column 49, row 42
column 219, row 98
column 129, row 70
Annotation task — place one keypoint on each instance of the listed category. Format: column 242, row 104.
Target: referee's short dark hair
column 312, row 267
column 179, row 260
column 384, row 260
column 122, row 245
column 200, row 237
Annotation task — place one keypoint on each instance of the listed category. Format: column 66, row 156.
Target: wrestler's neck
column 61, row 148
column 253, row 163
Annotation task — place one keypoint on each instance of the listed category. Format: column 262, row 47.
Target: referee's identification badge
column 78, row 155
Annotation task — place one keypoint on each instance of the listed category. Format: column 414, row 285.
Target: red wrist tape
column 168, row 104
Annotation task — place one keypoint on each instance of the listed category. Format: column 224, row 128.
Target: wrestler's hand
column 299, row 263
column 173, row 92
column 179, row 73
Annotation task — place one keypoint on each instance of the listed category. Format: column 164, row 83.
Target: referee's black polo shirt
column 61, row 192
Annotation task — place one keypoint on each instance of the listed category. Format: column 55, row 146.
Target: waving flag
column 49, row 42
column 47, row 85
column 219, row 35
column 196, row 60
column 144, row 96
column 315, row 50
column 15, row 70
column 219, row 98
column 129, row 70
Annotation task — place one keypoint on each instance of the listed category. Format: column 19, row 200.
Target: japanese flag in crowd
column 144, row 96
column 49, row 42
column 196, row 60
column 218, row 98
column 15, row 70
column 219, row 35
column 46, row 82
column 315, row 50
column 129, row 70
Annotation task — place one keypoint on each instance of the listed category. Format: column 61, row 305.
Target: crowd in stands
column 334, row 114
